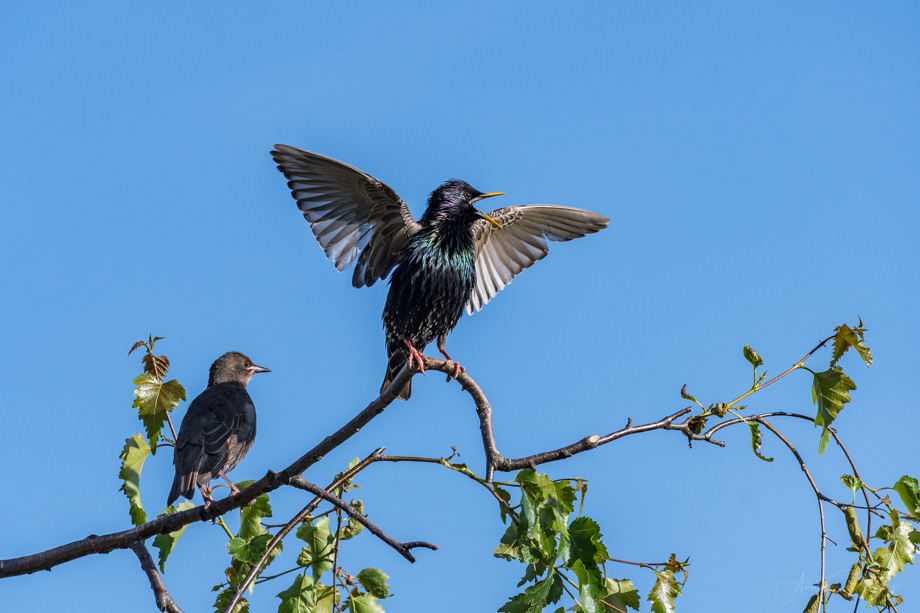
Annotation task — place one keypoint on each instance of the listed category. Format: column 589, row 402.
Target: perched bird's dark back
column 454, row 258
column 219, row 427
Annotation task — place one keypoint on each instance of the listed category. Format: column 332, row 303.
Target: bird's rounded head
column 233, row 366
column 456, row 198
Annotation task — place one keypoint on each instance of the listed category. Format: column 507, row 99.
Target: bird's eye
column 247, row 365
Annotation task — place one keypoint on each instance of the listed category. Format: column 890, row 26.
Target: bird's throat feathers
column 447, row 236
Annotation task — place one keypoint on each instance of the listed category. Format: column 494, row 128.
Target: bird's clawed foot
column 233, row 488
column 457, row 368
column 419, row 359
column 208, row 501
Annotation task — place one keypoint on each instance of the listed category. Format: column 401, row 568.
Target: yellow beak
column 483, row 215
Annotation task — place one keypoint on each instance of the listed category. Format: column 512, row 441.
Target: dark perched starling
column 455, row 257
column 218, row 429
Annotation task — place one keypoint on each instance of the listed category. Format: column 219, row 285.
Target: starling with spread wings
column 454, row 258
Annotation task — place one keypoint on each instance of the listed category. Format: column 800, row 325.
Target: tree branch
column 402, row 548
column 759, row 419
column 94, row 544
column 163, row 599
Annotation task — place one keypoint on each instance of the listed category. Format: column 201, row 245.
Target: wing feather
column 352, row 214
column 502, row 253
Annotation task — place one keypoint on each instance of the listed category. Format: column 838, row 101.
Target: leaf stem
column 796, row 366
column 571, row 595
column 220, row 520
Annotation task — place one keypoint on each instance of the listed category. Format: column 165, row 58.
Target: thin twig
column 163, row 599
column 335, row 552
column 814, row 487
column 638, row 563
column 795, row 366
column 402, row 548
column 463, row 470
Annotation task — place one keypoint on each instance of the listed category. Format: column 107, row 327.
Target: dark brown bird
column 454, row 258
column 218, row 429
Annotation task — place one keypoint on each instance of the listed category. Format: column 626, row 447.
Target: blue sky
column 758, row 162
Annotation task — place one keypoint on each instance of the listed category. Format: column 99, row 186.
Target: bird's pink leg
column 415, row 355
column 233, row 488
column 207, row 498
column 457, row 368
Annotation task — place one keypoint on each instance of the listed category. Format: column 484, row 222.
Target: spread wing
column 502, row 253
column 352, row 214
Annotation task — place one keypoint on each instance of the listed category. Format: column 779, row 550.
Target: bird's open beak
column 483, row 215
column 256, row 369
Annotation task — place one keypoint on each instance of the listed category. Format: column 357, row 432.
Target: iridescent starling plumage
column 433, row 282
column 454, row 258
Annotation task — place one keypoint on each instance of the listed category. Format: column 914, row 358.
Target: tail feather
column 397, row 356
column 183, row 485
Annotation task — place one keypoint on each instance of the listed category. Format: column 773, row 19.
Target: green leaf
column 872, row 590
column 374, row 581
column 365, row 603
column 352, row 528
column 223, row 599
column 909, row 491
column 585, row 534
column 251, row 517
column 751, row 356
column 518, row 604
column 565, row 494
column 621, row 594
column 528, row 531
column 167, row 542
column 324, row 597
column 347, row 484
column 506, row 496
column 756, row 440
column 830, row 391
column 685, row 395
column 508, row 551
column 851, row 482
column 133, row 456
column 900, row 550
column 300, row 597
column 153, row 400
column 664, row 592
column 541, row 481
column 536, row 597
column 846, row 337
column 589, row 586
column 249, row 551
column 318, row 554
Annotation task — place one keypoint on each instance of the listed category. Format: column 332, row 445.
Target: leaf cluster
column 871, row 576
column 318, row 558
column 568, row 556
column 154, row 398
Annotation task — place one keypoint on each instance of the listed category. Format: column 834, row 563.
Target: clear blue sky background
column 759, row 163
